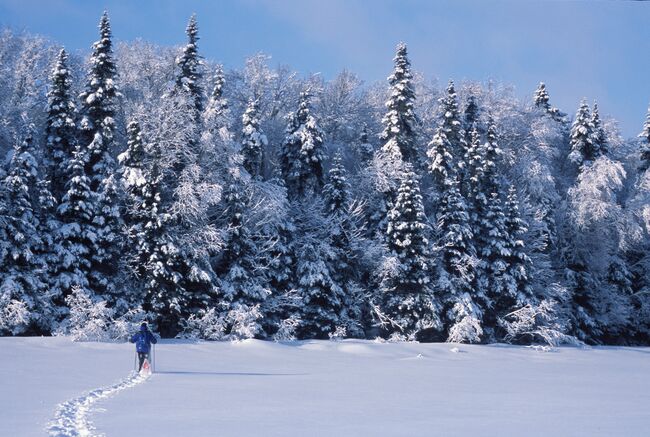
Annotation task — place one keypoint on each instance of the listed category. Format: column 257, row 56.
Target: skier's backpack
column 142, row 343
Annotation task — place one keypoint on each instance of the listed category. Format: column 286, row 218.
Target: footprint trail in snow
column 71, row 416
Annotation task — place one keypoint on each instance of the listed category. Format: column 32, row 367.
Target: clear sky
column 598, row 49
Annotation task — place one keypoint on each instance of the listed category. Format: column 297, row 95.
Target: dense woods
column 148, row 183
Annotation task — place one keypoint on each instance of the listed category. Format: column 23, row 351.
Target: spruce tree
column 518, row 264
column 60, row 126
column 541, row 100
column 303, row 153
column 645, row 145
column 365, row 150
column 441, row 165
column 599, row 140
column 74, row 241
column 217, row 111
column 336, row 191
column 98, row 110
column 253, row 141
column 452, row 125
column 406, row 295
column 461, row 303
column 472, row 114
column 243, row 291
column 399, row 136
column 189, row 64
column 98, row 107
column 20, row 280
column 582, row 137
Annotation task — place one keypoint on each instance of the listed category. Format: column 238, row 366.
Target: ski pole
column 153, row 362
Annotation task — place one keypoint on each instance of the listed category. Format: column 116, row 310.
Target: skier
column 143, row 340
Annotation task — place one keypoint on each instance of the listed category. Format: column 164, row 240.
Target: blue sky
column 598, row 49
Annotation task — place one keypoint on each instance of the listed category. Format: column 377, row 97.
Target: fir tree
column 336, row 192
column 406, row 295
column 645, row 145
column 399, row 135
column 60, row 128
column 253, row 141
column 189, row 64
column 302, row 153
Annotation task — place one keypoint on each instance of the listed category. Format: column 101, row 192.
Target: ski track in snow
column 71, row 416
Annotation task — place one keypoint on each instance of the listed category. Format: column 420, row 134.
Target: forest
column 143, row 182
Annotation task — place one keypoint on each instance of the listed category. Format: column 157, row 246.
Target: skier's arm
column 132, row 339
column 153, row 338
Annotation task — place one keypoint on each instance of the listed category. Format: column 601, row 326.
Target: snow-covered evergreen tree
column 97, row 127
column 98, row 107
column 365, row 150
column 441, row 165
column 243, row 290
column 21, row 280
column 472, row 114
column 541, row 100
column 189, row 63
column 461, row 305
column 517, row 273
column 254, row 141
column 60, row 129
column 644, row 152
column 452, row 125
column 582, row 137
column 599, row 141
column 399, row 137
column 407, row 302
column 302, row 153
column 217, row 111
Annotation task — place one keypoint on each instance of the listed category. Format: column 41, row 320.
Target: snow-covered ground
column 318, row 388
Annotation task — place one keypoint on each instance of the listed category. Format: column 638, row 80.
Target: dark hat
column 144, row 325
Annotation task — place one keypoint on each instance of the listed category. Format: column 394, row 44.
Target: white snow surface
column 321, row 388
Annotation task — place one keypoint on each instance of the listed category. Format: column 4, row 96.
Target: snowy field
column 318, row 388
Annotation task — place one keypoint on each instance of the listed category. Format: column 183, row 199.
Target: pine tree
column 21, row 280
column 406, row 295
column 253, row 141
column 599, row 139
column 189, row 64
column 60, row 128
column 645, row 145
column 302, row 153
column 336, row 192
column 582, row 137
column 399, row 135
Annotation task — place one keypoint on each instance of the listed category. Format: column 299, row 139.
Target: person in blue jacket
column 143, row 341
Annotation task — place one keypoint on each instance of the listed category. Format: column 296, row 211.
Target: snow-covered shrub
column 88, row 320
column 339, row 333
column 287, row 329
column 14, row 316
column 127, row 324
column 206, row 325
column 537, row 324
column 244, row 321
